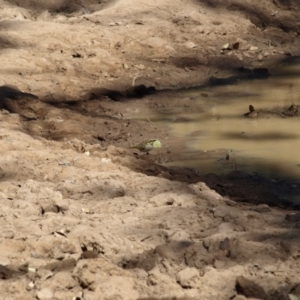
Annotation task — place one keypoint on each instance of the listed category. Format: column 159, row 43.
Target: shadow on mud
column 6, row 40
column 221, row 253
column 260, row 18
column 60, row 119
column 63, row 6
column 132, row 92
column 246, row 187
column 270, row 136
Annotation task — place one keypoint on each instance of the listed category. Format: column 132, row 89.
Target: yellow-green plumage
column 145, row 146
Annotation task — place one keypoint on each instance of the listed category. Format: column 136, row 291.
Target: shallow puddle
column 269, row 144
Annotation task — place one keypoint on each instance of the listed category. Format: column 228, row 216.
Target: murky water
column 269, row 145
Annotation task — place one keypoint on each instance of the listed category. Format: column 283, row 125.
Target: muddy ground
column 85, row 217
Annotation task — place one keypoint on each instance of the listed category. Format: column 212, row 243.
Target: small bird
column 145, row 146
column 252, row 112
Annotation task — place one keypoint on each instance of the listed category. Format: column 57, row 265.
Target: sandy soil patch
column 83, row 216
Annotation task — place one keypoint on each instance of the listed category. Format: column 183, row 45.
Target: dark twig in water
column 274, row 112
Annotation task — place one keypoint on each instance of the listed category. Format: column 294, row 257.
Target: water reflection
column 267, row 144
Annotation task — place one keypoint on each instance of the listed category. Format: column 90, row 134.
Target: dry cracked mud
column 84, row 217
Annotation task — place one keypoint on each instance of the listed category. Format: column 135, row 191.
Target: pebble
column 261, row 208
column 293, row 217
column 225, row 227
column 45, row 293
column 190, row 45
column 249, row 288
column 188, row 277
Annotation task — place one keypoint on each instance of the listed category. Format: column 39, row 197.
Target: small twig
column 146, row 238
column 135, row 77
column 151, row 122
column 274, row 13
column 235, row 164
column 85, row 10
column 274, row 112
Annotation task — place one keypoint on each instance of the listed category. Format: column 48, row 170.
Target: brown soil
column 85, row 217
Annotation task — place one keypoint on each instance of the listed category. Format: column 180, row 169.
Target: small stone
column 87, row 211
column 63, row 265
column 44, row 274
column 230, row 202
column 180, row 236
column 225, row 47
column 106, row 160
column 140, row 67
column 30, row 286
column 293, row 297
column 224, row 245
column 236, row 45
column 221, row 212
column 239, row 56
column 219, row 264
column 293, row 217
column 225, row 227
column 50, row 208
column 260, row 57
column 253, row 48
column 89, row 254
column 188, row 278
column 247, row 54
column 5, row 273
column 262, row 208
column 296, row 290
column 64, row 163
column 45, row 294
column 290, row 247
column 190, row 45
column 249, row 288
column 270, row 269
column 58, row 254
column 31, row 269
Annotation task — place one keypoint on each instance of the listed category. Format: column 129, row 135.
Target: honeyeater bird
column 145, row 146
column 252, row 112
